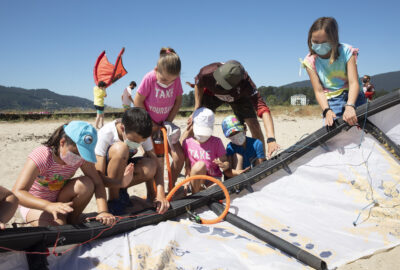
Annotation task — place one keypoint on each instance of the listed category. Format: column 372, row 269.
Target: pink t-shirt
column 159, row 100
column 52, row 176
column 207, row 152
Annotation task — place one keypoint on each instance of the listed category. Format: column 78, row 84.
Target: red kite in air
column 106, row 72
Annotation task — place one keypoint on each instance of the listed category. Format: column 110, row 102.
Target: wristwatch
column 351, row 105
column 324, row 112
column 271, row 139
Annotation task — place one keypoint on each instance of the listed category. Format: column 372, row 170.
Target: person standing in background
column 127, row 96
column 99, row 93
column 368, row 87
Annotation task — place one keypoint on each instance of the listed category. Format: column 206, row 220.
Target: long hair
column 169, row 62
column 331, row 28
column 54, row 141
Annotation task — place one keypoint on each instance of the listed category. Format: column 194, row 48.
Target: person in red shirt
column 228, row 83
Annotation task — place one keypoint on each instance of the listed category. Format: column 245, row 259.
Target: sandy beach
column 18, row 139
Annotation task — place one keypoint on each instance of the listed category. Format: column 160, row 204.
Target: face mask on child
column 321, row 49
column 132, row 145
column 201, row 138
column 164, row 85
column 70, row 158
column 238, row 139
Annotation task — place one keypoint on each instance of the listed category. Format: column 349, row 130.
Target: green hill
column 15, row 98
column 388, row 81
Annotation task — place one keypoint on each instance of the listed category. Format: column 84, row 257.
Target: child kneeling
column 203, row 150
column 243, row 152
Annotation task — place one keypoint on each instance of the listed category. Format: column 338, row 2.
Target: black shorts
column 100, row 108
column 242, row 108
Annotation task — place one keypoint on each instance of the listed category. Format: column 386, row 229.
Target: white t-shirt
column 108, row 135
column 125, row 96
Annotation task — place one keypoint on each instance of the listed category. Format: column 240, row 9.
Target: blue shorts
column 337, row 104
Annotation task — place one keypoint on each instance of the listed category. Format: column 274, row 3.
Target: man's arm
column 198, row 96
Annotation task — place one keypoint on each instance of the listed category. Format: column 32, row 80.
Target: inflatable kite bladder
column 107, row 72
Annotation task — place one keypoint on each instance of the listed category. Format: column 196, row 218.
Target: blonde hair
column 331, row 28
column 169, row 62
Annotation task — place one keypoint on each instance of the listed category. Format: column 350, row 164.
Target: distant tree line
column 272, row 95
column 277, row 95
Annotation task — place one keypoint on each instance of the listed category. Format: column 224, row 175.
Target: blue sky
column 54, row 44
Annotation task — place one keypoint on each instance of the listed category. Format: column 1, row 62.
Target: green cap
column 229, row 74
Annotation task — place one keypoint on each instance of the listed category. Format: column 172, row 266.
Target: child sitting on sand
column 8, row 205
column 202, row 150
column 47, row 193
column 243, row 152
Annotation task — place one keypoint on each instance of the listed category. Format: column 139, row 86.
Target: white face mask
column 164, row 85
column 70, row 158
column 132, row 145
column 201, row 138
column 238, row 139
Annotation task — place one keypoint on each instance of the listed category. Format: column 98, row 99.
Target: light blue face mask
column 132, row 145
column 321, row 49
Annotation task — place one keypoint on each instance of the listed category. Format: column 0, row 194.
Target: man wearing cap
column 221, row 83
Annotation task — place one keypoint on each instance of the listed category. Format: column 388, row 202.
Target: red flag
column 106, row 72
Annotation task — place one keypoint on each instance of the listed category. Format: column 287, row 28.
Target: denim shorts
column 337, row 104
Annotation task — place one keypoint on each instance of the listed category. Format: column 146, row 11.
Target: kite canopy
column 106, row 72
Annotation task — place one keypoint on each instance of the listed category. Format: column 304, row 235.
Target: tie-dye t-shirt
column 333, row 77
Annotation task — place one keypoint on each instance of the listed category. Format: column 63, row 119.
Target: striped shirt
column 52, row 176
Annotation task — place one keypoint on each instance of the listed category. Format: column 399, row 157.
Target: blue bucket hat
column 231, row 124
column 84, row 135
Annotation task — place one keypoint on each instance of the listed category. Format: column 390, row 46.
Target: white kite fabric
column 340, row 203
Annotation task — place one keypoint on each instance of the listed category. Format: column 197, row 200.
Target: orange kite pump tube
column 219, row 183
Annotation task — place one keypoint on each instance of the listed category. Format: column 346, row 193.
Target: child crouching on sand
column 243, row 152
column 203, row 149
column 46, row 192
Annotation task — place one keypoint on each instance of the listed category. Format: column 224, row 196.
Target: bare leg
column 199, row 168
column 101, row 120
column 178, row 160
column 118, row 158
column 8, row 205
column 145, row 172
column 79, row 191
column 97, row 121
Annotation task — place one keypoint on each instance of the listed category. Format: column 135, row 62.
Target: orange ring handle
column 170, row 184
column 212, row 179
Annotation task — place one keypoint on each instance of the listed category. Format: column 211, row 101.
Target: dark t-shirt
column 246, row 88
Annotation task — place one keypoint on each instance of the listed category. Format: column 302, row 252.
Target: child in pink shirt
column 160, row 94
column 203, row 150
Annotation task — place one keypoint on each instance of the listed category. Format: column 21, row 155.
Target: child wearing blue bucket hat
column 47, row 193
column 243, row 152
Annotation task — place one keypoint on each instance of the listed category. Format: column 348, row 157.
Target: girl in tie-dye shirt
column 332, row 68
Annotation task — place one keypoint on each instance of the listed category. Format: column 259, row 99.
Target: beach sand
column 18, row 139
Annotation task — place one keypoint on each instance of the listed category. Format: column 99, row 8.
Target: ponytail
column 54, row 141
column 169, row 62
